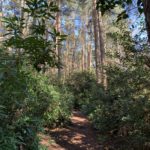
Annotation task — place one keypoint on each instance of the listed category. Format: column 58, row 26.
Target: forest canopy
column 143, row 6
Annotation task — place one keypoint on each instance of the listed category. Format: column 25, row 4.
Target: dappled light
column 74, row 75
column 78, row 135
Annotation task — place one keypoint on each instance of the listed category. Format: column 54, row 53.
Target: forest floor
column 79, row 135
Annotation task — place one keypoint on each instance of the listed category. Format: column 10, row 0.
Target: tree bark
column 89, row 57
column 94, row 16
column 147, row 16
column 1, row 24
column 58, row 48
column 73, row 53
column 99, row 44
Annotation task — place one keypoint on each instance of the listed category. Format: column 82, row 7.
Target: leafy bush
column 26, row 98
column 85, row 89
column 27, row 102
column 58, row 113
column 22, row 96
column 124, row 112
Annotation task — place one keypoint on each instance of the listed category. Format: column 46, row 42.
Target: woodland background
column 56, row 56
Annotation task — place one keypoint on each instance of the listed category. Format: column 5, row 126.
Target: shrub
column 27, row 102
column 85, row 89
column 58, row 113
column 24, row 97
column 124, row 111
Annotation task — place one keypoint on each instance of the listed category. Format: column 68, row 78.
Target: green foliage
column 104, row 6
column 85, row 89
column 122, row 15
column 26, row 97
column 122, row 111
column 18, row 125
column 58, row 113
column 80, row 84
column 40, row 42
column 125, row 111
column 28, row 102
column 111, row 4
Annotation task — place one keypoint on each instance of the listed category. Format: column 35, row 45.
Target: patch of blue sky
column 9, row 8
column 78, row 25
column 136, row 21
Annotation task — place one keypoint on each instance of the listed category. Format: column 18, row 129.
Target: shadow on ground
column 78, row 136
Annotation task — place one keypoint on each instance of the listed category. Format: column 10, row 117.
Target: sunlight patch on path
column 77, row 136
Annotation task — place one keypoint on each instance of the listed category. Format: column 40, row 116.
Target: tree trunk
column 102, row 49
column 82, row 58
column 96, row 40
column 1, row 24
column 89, row 57
column 58, row 48
column 147, row 16
column 73, row 52
column 99, row 44
column 101, row 41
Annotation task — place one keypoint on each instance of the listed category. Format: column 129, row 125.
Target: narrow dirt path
column 78, row 136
